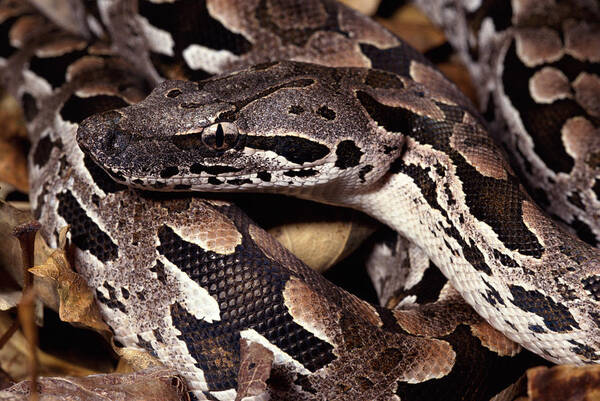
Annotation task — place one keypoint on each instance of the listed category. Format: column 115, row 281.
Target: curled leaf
column 76, row 300
column 133, row 360
column 255, row 369
column 10, row 251
column 322, row 244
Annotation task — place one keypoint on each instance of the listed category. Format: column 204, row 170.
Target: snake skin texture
column 194, row 281
column 549, row 124
column 405, row 148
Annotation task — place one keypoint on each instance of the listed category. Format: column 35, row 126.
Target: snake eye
column 220, row 136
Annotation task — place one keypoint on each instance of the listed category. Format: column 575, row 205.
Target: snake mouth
column 224, row 178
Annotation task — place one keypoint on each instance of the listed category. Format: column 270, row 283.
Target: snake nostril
column 173, row 93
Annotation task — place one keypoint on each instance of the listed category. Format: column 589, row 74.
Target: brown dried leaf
column 13, row 165
column 77, row 303
column 564, row 383
column 13, row 158
column 255, row 369
column 10, row 251
column 324, row 243
column 9, row 299
column 516, row 389
column 458, row 73
column 414, row 27
column 17, row 231
column 133, row 360
column 154, row 384
column 367, row 7
column 13, row 357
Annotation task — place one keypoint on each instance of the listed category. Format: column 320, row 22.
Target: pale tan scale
column 215, row 233
column 486, row 160
column 538, row 46
column 311, row 310
column 582, row 40
column 579, row 136
column 548, row 85
column 490, row 339
column 587, row 88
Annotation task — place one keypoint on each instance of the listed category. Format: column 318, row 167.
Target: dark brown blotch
column 42, row 152
column 30, row 109
column 264, row 176
column 381, row 79
column 169, row 172
column 309, row 172
column 295, row 149
column 296, row 110
column 364, row 171
column 556, row 317
column 351, row 332
column 348, row 154
column 326, row 113
column 190, row 105
column 592, row 284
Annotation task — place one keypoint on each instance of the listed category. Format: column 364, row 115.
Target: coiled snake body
column 199, row 285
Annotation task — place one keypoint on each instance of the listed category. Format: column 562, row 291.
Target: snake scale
column 198, row 284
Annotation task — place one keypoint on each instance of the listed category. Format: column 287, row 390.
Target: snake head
column 277, row 127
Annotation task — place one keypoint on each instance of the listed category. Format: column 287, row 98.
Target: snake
column 548, row 126
column 199, row 285
column 405, row 149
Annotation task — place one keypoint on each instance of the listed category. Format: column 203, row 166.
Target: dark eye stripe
column 295, row 149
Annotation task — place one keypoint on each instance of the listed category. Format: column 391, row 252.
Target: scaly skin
column 195, row 282
column 404, row 149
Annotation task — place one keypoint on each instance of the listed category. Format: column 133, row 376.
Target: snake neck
column 493, row 275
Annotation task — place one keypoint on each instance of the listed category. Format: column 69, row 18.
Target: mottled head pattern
column 285, row 124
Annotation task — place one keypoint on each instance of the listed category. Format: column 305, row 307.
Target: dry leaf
column 17, row 229
column 255, row 369
column 322, row 244
column 511, row 392
column 13, row 357
column 9, row 299
column 154, row 384
column 414, row 27
column 133, row 360
column 13, row 159
column 77, row 302
column 10, row 252
column 458, row 73
column 367, row 7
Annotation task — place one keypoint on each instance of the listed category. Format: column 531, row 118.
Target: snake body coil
column 200, row 286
